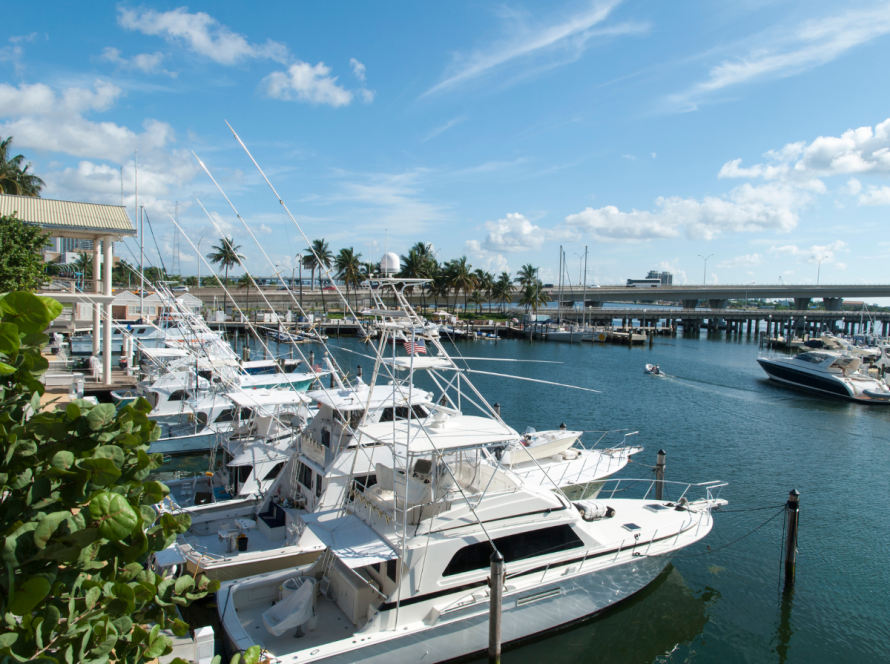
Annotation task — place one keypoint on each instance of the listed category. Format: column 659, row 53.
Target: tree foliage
column 77, row 519
column 14, row 179
column 21, row 265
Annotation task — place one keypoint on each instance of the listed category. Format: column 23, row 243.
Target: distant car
column 180, row 289
column 329, row 288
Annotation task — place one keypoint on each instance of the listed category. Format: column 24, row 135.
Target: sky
column 655, row 134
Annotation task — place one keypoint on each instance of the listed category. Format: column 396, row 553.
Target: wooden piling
column 792, row 519
column 494, row 612
column 659, row 475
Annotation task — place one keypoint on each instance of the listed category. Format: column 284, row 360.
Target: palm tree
column 461, row 278
column 418, row 264
column 477, row 299
column 503, row 289
column 485, row 283
column 13, row 178
column 528, row 275
column 349, row 268
column 84, row 265
column 319, row 257
column 225, row 254
column 440, row 286
column 246, row 281
column 534, row 296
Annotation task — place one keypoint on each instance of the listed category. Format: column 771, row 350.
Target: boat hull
column 811, row 382
column 202, row 442
column 524, row 614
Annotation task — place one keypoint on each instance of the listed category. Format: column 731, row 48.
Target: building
column 102, row 226
column 666, row 278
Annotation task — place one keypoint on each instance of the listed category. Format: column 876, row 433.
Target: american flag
column 416, row 348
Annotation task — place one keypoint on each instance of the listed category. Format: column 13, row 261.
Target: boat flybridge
column 828, row 372
column 403, row 570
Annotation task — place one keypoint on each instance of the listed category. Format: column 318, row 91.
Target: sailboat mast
column 584, row 292
column 559, row 290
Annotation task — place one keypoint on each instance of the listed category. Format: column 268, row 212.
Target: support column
column 106, row 274
column 802, row 303
column 833, row 303
column 97, row 329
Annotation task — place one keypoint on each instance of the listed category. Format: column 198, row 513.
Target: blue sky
column 651, row 132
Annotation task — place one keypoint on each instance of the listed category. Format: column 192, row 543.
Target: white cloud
column 813, row 254
column 840, row 266
column 305, row 82
column 513, row 233
column 366, row 95
column 788, row 52
column 445, row 127
column 629, row 157
column 747, row 260
column 854, row 186
column 745, row 208
column 491, row 261
column 875, row 196
column 200, row 33
column 680, row 277
column 571, row 35
column 358, row 69
column 43, row 119
column 148, row 63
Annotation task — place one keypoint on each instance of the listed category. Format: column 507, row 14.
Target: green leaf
column 9, row 339
column 184, row 584
column 92, row 596
column 103, row 471
column 72, row 410
column 114, row 515
column 5, row 369
column 48, row 526
column 27, row 311
column 7, row 639
column 53, row 307
column 153, row 493
column 100, row 415
column 252, row 655
column 158, row 647
column 63, row 459
column 112, row 452
column 29, row 595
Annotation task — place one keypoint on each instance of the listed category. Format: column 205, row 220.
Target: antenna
column 175, row 267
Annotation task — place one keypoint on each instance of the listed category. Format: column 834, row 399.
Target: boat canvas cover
column 349, row 538
column 158, row 353
column 259, row 398
column 293, row 610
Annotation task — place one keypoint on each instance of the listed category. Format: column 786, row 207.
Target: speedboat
column 653, row 369
column 828, row 372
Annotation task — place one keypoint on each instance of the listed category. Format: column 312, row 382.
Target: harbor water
column 717, row 417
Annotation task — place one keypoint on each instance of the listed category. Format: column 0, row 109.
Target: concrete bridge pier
column 690, row 304
column 833, row 303
column 802, row 303
column 718, row 304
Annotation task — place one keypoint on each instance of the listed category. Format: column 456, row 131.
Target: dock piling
column 659, row 475
column 494, row 612
column 792, row 519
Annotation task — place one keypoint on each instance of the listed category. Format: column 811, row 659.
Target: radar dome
column 389, row 264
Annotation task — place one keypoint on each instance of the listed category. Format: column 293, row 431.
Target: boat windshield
column 815, row 358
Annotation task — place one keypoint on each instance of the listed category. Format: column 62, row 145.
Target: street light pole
column 819, row 266
column 704, row 274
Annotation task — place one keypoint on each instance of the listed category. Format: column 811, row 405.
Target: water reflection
column 783, row 629
column 640, row 630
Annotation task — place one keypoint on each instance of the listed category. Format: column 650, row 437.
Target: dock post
column 497, row 408
column 792, row 519
column 245, row 352
column 358, row 371
column 311, row 358
column 494, row 611
column 659, row 475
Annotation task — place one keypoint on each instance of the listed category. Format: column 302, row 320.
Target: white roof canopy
column 418, row 362
column 350, row 539
column 257, row 398
column 158, row 353
column 453, row 432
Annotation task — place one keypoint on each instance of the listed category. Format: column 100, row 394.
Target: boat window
column 305, row 476
column 318, row 485
column 514, row 547
column 401, row 413
column 178, row 395
column 391, row 567
column 272, row 474
column 226, row 416
column 141, row 330
column 815, row 358
column 243, row 474
column 325, row 438
column 202, row 419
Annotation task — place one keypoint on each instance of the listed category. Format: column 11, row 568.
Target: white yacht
column 828, row 372
column 146, row 335
column 404, row 570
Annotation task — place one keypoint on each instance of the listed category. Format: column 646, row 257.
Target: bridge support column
column 690, row 304
column 833, row 303
column 718, row 304
column 802, row 303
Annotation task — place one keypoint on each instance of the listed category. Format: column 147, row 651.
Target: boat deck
column 332, row 625
column 213, row 545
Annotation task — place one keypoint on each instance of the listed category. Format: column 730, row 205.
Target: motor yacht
column 828, row 372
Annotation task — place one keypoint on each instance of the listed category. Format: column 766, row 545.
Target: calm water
column 719, row 418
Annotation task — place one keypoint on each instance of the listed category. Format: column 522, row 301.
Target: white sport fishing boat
column 404, row 569
column 828, row 372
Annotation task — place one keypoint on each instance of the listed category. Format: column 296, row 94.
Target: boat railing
column 673, row 491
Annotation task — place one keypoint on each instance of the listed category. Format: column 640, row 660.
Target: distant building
column 666, row 278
